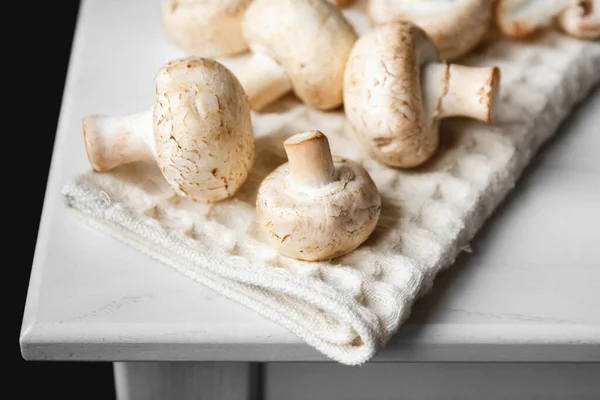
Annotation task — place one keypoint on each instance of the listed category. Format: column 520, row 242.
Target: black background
column 37, row 39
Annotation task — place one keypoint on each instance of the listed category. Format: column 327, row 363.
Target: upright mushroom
column 581, row 19
column 205, row 28
column 455, row 27
column 198, row 130
column 298, row 44
column 317, row 207
column 396, row 91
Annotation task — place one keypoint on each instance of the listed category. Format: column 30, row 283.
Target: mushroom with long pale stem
column 455, row 27
column 317, row 207
column 198, row 131
column 205, row 28
column 396, row 91
column 581, row 19
column 298, row 44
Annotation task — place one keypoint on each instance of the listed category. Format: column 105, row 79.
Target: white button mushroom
column 298, row 44
column 198, row 130
column 520, row 18
column 317, row 207
column 581, row 19
column 396, row 91
column 206, row 28
column 455, row 26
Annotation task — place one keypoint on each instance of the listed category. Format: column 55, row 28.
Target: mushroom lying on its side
column 396, row 91
column 198, row 130
column 298, row 44
column 317, row 207
column 455, row 27
column 205, row 28
column 581, row 19
column 521, row 18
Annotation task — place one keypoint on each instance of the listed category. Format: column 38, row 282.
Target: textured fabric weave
column 349, row 308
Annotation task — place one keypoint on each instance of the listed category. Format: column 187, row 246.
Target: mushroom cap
column 383, row 99
column 520, row 18
column 455, row 27
column 205, row 28
column 581, row 19
column 322, row 223
column 203, row 133
column 311, row 41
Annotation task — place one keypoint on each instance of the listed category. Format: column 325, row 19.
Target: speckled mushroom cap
column 206, row 28
column 581, row 19
column 318, row 223
column 520, row 18
column 382, row 94
column 455, row 26
column 311, row 41
column 203, row 134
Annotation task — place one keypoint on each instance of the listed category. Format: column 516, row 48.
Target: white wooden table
column 517, row 318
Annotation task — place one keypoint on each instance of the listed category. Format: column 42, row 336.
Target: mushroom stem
column 451, row 90
column 339, row 3
column 112, row 141
column 310, row 161
column 581, row 19
column 264, row 81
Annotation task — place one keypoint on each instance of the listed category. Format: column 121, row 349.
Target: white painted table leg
column 185, row 380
